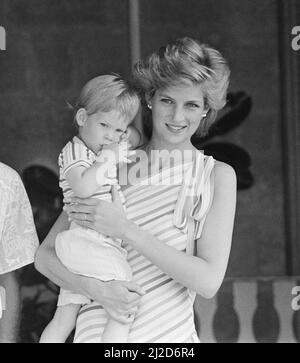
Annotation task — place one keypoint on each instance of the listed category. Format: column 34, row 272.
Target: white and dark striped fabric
column 166, row 311
column 76, row 153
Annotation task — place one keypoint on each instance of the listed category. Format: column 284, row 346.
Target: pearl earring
column 149, row 106
column 204, row 115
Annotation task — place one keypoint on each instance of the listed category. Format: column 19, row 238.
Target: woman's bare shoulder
column 224, row 175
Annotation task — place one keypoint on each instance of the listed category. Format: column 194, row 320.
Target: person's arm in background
column 119, row 298
column 16, row 224
column 9, row 324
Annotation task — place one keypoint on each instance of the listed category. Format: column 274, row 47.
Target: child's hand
column 125, row 137
column 133, row 136
column 125, row 153
column 117, row 153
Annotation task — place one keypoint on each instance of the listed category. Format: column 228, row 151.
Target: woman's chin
column 178, row 142
column 178, row 138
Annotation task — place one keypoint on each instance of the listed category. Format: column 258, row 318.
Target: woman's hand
column 104, row 217
column 120, row 299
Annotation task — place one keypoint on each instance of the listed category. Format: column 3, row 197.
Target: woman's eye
column 167, row 101
column 193, row 105
column 103, row 125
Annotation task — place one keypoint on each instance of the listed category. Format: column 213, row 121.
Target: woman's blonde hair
column 186, row 59
column 107, row 93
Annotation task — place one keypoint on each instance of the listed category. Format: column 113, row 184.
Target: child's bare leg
column 62, row 324
column 115, row 332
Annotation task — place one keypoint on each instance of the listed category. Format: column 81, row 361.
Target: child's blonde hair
column 107, row 93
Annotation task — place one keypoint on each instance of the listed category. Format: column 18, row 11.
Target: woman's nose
column 178, row 115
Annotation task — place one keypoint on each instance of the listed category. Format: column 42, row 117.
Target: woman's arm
column 118, row 298
column 205, row 271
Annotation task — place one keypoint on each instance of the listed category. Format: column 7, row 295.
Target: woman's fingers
column 125, row 316
column 133, row 311
column 123, row 319
column 116, row 196
column 122, row 300
column 82, row 201
column 85, row 224
column 81, row 217
column 130, row 318
column 76, row 208
column 135, row 288
column 132, row 307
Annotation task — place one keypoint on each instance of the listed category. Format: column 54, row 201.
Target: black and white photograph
column 149, row 174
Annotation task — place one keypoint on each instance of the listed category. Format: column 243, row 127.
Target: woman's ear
column 149, row 101
column 81, row 116
column 205, row 112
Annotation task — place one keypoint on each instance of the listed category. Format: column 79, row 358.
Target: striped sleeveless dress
column 166, row 313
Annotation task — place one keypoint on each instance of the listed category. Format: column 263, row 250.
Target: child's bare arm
column 84, row 181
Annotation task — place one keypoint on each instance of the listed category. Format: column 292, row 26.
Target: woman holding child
column 177, row 223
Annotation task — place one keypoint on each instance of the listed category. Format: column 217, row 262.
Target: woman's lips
column 176, row 129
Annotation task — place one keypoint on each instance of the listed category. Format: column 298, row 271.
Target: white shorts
column 88, row 253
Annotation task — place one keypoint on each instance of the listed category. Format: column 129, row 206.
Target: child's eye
column 103, row 124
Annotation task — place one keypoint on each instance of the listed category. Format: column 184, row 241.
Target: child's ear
column 81, row 117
